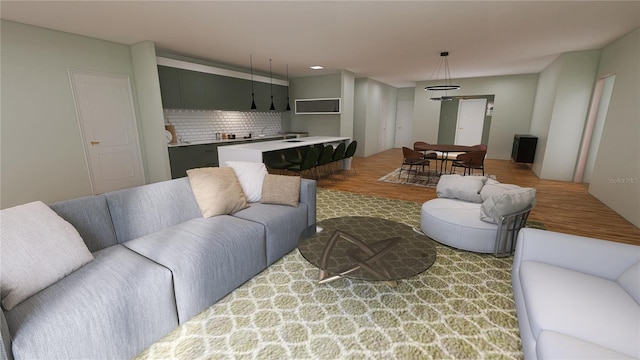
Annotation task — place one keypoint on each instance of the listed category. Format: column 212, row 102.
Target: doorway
column 593, row 129
column 404, row 124
column 448, row 124
column 104, row 107
column 470, row 121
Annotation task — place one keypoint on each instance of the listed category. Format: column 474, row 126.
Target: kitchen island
column 253, row 151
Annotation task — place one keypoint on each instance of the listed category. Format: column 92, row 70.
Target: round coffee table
column 367, row 248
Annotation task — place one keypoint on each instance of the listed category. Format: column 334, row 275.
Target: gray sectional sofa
column 157, row 263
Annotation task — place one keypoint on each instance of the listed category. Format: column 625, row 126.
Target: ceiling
column 395, row 42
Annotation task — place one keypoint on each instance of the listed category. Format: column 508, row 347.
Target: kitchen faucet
column 262, row 131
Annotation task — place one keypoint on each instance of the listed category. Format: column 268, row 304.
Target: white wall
column 560, row 113
column 512, row 110
column 374, row 115
column 151, row 119
column 42, row 152
column 616, row 177
column 347, row 94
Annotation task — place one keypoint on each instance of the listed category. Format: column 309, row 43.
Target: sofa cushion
column 217, row 191
column 465, row 188
column 91, row 217
column 114, row 307
column 281, row 190
column 508, row 202
column 251, row 176
column 583, row 306
column 283, row 226
column 553, row 345
column 38, row 249
column 146, row 209
column 493, row 187
column 630, row 281
column 208, row 258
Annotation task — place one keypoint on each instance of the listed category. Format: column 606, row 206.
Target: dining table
column 445, row 149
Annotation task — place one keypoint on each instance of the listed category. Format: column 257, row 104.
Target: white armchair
column 576, row 297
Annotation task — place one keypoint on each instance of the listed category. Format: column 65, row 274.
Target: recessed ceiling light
column 317, row 67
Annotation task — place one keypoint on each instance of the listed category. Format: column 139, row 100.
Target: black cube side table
column 524, row 148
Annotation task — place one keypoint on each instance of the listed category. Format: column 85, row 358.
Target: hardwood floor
column 562, row 206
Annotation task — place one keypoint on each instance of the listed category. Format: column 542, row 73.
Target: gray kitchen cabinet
column 192, row 89
column 185, row 89
column 170, row 87
column 183, row 158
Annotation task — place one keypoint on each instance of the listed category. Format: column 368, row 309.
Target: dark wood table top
column 443, row 147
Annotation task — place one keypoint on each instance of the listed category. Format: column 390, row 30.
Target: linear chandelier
column 443, row 66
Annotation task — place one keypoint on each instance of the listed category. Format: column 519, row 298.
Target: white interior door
column 404, row 124
column 470, row 121
column 104, row 106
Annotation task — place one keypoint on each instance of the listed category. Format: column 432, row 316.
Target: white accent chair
column 477, row 214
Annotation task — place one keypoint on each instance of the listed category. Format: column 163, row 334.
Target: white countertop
column 273, row 145
column 226, row 141
column 253, row 151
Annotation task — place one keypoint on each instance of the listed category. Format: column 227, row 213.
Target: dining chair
column 469, row 161
column 412, row 158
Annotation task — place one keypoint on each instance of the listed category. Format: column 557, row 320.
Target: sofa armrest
column 596, row 257
column 308, row 189
column 5, row 345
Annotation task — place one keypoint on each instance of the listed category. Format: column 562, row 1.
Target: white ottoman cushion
column 457, row 223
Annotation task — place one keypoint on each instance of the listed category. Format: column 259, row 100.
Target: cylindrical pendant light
column 288, row 107
column 271, row 78
column 253, row 99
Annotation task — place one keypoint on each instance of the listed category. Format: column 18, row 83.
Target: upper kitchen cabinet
column 170, row 87
column 186, row 89
column 192, row 89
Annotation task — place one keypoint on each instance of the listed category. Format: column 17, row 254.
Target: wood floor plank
column 562, row 206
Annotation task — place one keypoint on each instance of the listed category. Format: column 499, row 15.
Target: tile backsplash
column 199, row 125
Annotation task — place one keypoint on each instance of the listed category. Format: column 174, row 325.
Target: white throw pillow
column 493, row 187
column 38, row 249
column 460, row 187
column 509, row 202
column 251, row 176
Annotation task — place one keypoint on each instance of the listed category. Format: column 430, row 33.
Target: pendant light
column 443, row 65
column 253, row 99
column 271, row 77
column 288, row 107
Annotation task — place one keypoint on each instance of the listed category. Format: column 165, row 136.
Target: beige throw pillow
column 508, row 202
column 217, row 191
column 281, row 190
column 38, row 249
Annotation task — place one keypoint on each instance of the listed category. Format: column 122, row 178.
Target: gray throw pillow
column 493, row 187
column 38, row 249
column 507, row 203
column 460, row 187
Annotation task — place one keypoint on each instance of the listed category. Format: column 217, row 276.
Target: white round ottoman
column 457, row 223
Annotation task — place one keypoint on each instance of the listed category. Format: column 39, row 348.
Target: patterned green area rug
column 461, row 308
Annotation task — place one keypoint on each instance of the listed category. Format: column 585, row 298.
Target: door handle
column 95, row 142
